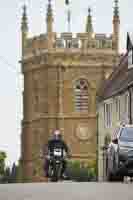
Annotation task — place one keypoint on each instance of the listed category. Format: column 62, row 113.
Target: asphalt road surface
column 67, row 191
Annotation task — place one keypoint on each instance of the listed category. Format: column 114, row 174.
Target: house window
column 130, row 59
column 126, row 104
column 131, row 105
column 118, row 111
column 81, row 95
column 108, row 115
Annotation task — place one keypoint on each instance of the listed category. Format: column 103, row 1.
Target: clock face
column 82, row 132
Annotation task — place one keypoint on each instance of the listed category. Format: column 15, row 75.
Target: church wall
column 80, row 134
column 49, row 104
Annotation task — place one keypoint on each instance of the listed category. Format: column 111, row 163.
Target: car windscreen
column 127, row 134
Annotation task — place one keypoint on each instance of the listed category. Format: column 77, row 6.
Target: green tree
column 78, row 171
column 2, row 164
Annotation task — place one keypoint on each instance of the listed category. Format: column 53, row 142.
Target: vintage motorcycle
column 56, row 164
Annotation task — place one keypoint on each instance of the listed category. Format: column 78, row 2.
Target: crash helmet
column 57, row 134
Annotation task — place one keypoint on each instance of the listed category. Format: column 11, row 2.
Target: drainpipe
column 97, row 149
column 130, row 105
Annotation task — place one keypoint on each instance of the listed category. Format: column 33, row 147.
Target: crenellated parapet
column 67, row 41
column 35, row 44
column 64, row 41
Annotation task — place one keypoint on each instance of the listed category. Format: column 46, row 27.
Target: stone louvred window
column 35, row 92
column 36, row 99
column 81, row 96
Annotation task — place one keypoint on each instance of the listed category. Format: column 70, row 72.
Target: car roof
column 119, row 128
column 127, row 125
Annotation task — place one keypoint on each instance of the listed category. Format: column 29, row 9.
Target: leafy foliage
column 77, row 171
column 7, row 175
column 2, row 164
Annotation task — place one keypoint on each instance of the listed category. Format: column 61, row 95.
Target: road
column 67, row 191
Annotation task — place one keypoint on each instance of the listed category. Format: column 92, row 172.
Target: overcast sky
column 10, row 51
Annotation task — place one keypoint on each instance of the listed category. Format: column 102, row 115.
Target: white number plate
column 57, row 152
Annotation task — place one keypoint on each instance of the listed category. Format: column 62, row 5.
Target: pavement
column 67, row 191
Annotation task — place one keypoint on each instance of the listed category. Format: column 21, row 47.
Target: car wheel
column 120, row 178
column 114, row 173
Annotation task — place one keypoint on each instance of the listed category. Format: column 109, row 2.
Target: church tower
column 62, row 74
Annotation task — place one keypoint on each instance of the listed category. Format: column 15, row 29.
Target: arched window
column 81, row 95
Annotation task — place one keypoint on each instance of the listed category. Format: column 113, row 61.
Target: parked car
column 120, row 154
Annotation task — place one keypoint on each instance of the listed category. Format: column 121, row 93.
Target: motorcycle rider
column 55, row 142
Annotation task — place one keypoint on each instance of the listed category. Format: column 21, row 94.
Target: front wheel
column 56, row 172
column 54, row 179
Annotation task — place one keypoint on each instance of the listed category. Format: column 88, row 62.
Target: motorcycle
column 56, row 165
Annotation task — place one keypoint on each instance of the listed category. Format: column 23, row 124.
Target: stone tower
column 61, row 77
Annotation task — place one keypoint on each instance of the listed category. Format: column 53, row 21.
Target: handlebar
column 66, row 157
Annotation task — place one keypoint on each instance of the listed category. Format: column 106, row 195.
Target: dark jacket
column 53, row 143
